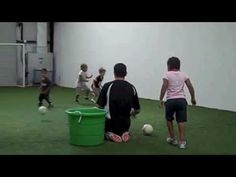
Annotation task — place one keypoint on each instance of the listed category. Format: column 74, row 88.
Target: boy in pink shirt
column 173, row 83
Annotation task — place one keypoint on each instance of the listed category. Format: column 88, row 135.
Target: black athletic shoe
column 50, row 105
column 77, row 98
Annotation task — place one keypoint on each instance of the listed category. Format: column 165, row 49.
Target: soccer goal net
column 12, row 64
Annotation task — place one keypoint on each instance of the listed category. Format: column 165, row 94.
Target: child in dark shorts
column 176, row 104
column 45, row 89
column 97, row 82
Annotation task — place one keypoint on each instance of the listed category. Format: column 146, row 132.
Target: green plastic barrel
column 86, row 126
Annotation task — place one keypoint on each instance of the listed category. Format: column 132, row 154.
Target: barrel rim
column 76, row 112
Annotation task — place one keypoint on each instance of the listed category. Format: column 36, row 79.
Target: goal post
column 8, row 55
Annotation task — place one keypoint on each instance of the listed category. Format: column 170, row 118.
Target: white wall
column 207, row 52
column 9, row 33
column 30, row 31
column 30, row 34
column 7, row 54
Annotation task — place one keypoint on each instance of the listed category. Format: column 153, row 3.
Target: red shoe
column 114, row 137
column 126, row 136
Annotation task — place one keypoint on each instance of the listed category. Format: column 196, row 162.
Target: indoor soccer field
column 126, row 71
column 25, row 131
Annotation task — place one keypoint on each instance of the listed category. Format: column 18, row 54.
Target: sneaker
column 50, row 105
column 92, row 100
column 172, row 141
column 126, row 136
column 113, row 137
column 182, row 145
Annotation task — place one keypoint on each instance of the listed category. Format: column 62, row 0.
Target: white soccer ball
column 147, row 129
column 43, row 110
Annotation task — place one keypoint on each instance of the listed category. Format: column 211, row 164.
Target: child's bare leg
column 96, row 92
column 93, row 97
column 181, row 126
column 171, row 129
column 77, row 90
column 77, row 97
column 87, row 94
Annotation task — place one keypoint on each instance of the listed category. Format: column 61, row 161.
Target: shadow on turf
column 46, row 121
column 86, row 104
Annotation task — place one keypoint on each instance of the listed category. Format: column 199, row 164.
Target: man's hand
column 133, row 113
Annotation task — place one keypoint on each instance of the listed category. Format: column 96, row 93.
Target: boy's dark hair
column 101, row 70
column 83, row 66
column 173, row 63
column 120, row 70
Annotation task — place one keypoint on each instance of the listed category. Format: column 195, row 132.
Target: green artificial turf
column 24, row 131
